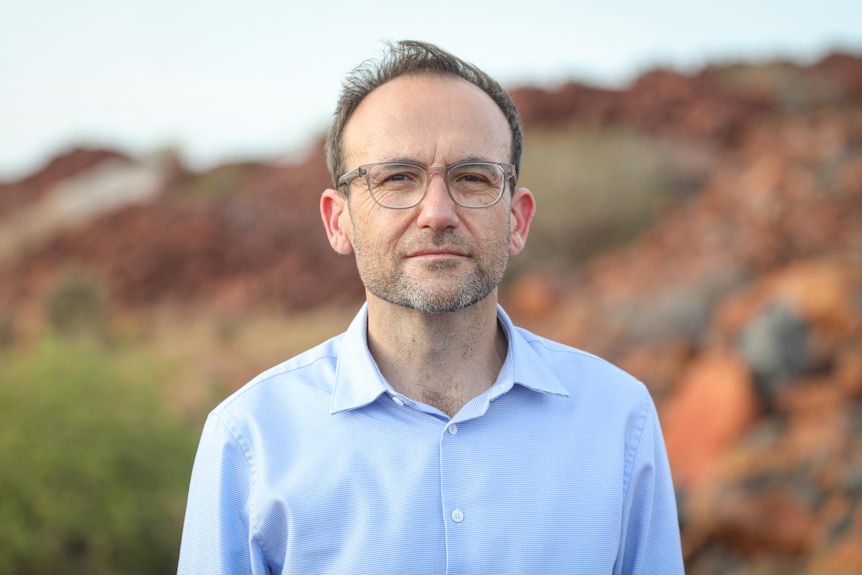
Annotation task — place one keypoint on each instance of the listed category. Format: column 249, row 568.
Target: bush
column 95, row 470
column 595, row 189
column 76, row 304
column 216, row 184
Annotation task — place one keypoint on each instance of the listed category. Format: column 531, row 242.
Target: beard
column 434, row 287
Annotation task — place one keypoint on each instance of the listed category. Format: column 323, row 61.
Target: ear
column 523, row 210
column 336, row 220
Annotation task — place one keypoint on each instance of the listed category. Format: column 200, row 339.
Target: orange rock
column 737, row 310
column 531, row 296
column 848, row 372
column 811, row 397
column 767, row 173
column 822, row 291
column 657, row 364
column 843, row 558
column 751, row 520
column 816, row 435
column 775, row 521
column 711, row 407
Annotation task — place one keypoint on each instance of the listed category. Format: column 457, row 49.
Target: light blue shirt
column 319, row 466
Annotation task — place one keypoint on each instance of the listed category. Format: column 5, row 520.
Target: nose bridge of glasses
column 431, row 198
column 440, row 171
column 437, row 206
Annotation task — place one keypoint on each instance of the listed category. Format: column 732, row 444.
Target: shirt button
column 398, row 401
column 457, row 516
column 453, row 429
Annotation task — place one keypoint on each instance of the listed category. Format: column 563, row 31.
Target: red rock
column 843, row 558
column 738, row 310
column 658, row 364
column 776, row 521
column 818, row 438
column 812, row 397
column 531, row 296
column 15, row 195
column 822, row 291
column 848, row 370
column 712, row 406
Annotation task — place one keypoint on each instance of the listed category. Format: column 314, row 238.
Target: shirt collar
column 524, row 365
column 358, row 381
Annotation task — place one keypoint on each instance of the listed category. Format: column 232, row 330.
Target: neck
column 444, row 360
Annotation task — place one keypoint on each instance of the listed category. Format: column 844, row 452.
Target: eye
column 473, row 178
column 397, row 178
column 476, row 175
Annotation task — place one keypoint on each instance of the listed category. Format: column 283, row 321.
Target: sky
column 226, row 80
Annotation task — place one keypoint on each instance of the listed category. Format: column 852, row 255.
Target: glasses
column 402, row 185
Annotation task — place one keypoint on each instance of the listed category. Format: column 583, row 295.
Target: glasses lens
column 477, row 184
column 397, row 185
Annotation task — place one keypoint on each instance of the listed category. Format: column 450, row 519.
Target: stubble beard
column 398, row 286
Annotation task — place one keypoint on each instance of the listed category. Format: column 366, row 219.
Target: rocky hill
column 741, row 307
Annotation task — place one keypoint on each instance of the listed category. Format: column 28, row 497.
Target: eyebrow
column 411, row 160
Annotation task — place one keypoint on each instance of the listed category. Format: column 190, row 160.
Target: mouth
column 437, row 253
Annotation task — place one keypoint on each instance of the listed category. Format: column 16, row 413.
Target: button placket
column 454, row 460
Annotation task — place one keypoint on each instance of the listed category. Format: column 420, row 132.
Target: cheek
column 360, row 215
column 378, row 228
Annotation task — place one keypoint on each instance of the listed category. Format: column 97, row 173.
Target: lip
column 436, row 253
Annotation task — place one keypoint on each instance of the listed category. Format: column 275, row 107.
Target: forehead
column 429, row 119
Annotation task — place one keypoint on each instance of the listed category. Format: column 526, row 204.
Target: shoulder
column 579, row 371
column 295, row 380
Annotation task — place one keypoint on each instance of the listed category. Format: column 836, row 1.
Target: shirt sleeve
column 217, row 537
column 650, row 539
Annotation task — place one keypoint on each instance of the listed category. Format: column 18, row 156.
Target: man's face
column 436, row 257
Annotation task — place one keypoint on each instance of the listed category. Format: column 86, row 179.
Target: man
column 433, row 436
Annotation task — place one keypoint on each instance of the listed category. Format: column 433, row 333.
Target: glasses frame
column 364, row 171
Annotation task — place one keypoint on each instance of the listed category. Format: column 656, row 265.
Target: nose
column 437, row 210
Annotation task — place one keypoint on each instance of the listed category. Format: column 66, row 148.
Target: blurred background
column 698, row 170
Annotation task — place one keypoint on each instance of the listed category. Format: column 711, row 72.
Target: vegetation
column 216, row 183
column 596, row 189
column 95, row 468
column 76, row 304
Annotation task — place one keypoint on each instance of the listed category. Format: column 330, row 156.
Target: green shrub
column 215, row 184
column 76, row 304
column 94, row 469
column 595, row 189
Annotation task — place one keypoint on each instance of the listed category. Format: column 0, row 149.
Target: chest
column 395, row 491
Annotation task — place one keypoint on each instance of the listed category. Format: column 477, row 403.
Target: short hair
column 410, row 57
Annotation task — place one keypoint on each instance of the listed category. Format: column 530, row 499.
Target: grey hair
column 410, row 57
